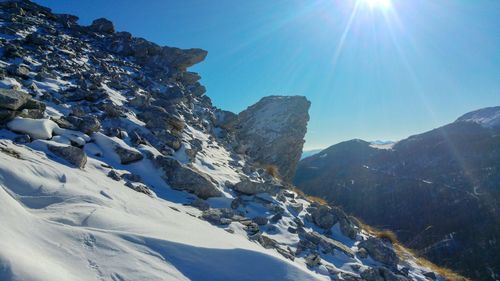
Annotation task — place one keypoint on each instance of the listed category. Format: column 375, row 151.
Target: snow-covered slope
column 487, row 117
column 62, row 223
column 114, row 165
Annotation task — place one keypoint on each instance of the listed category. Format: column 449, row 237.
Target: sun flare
column 378, row 4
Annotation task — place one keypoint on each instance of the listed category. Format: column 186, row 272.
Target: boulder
column 380, row 251
column 273, row 130
column 141, row 188
column 102, row 25
column 74, row 155
column 12, row 99
column 250, row 187
column 328, row 244
column 324, row 217
column 183, row 177
column 128, row 156
column 313, row 260
column 182, row 59
column 381, row 274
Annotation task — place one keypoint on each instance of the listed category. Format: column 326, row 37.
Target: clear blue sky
column 370, row 71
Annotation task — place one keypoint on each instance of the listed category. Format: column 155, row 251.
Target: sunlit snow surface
column 62, row 223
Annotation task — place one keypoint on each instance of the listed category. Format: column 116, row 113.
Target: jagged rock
column 313, row 260
column 21, row 70
column 323, row 217
column 380, row 251
column 182, row 177
column 128, row 156
column 6, row 115
column 114, row 175
column 297, row 207
column 200, row 204
column 102, row 25
column 260, row 220
column 274, row 130
column 267, row 242
column 131, row 177
column 12, row 99
column 327, row 244
column 182, row 59
column 250, row 187
column 217, row 216
column 224, row 119
column 73, row 155
column 139, row 188
column 381, row 274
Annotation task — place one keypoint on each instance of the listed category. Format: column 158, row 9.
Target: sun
column 378, row 4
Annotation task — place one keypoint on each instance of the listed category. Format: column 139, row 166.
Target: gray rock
column 102, row 25
column 250, row 187
column 380, row 251
column 273, row 131
column 260, row 220
column 328, row 244
column 114, row 175
column 141, row 188
column 381, row 274
column 217, row 216
column 313, row 260
column 74, row 155
column 21, row 70
column 267, row 242
column 182, row 177
column 6, row 115
column 128, row 156
column 324, row 217
column 200, row 204
column 12, row 99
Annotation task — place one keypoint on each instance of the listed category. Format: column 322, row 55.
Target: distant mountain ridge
column 439, row 191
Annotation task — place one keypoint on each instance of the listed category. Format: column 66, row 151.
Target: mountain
column 307, row 153
column 115, row 165
column 439, row 191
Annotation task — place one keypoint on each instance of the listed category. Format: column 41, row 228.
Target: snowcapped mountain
column 488, row 117
column 114, row 165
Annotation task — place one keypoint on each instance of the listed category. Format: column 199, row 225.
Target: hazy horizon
column 373, row 69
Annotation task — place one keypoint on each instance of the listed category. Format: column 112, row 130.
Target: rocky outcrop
column 12, row 99
column 272, row 131
column 380, row 251
column 182, row 177
column 74, row 155
column 250, row 187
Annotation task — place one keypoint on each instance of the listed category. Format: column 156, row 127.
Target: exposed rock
column 102, row 25
column 182, row 177
column 73, row 155
column 380, row 251
column 182, row 59
column 327, row 244
column 200, row 204
column 12, row 99
column 274, row 130
column 128, row 156
column 381, row 274
column 250, row 187
column 141, row 188
column 313, row 260
column 217, row 216
column 323, row 217
column 260, row 220
column 114, row 175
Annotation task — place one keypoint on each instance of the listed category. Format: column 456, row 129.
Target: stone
column 200, row 204
column 182, row 59
column 141, row 188
column 380, row 251
column 267, row 242
column 12, row 99
column 260, row 220
column 323, row 217
column 128, row 156
column 6, row 115
column 74, row 155
column 328, row 244
column 114, row 175
column 102, row 25
column 214, row 216
column 21, row 70
column 273, row 131
column 131, row 177
column 381, row 274
column 183, row 177
column 250, row 187
column 431, row 275
column 313, row 260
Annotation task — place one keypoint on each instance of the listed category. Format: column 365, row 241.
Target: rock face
column 12, row 99
column 73, row 155
column 182, row 177
column 273, row 130
column 380, row 251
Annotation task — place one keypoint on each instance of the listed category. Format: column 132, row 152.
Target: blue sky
column 370, row 71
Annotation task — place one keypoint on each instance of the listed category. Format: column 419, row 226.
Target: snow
column 487, row 117
column 61, row 223
column 44, row 129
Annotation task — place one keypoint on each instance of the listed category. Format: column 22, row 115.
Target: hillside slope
column 114, row 165
column 438, row 190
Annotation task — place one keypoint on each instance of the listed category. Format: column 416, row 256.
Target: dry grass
column 310, row 198
column 406, row 253
column 273, row 171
